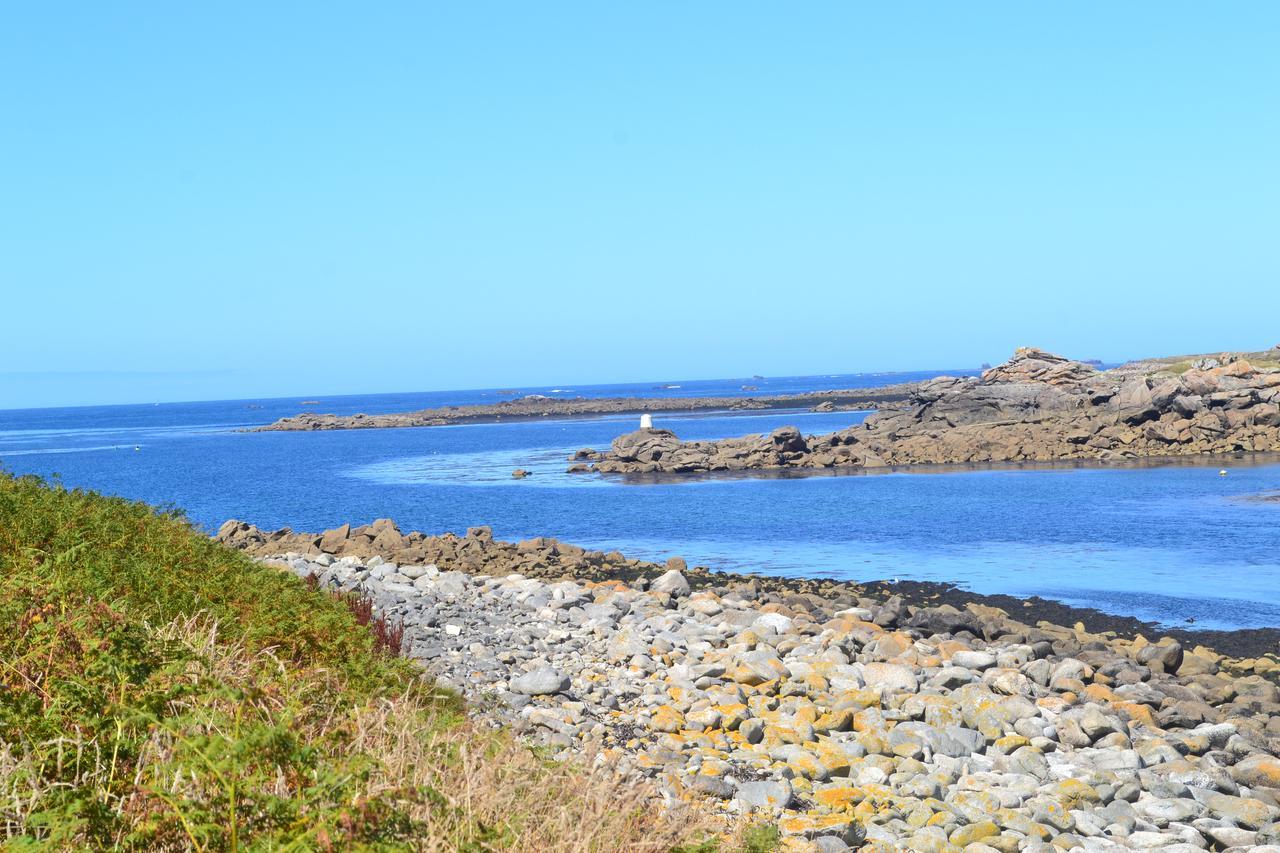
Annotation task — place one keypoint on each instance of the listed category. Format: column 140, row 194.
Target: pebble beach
column 853, row 722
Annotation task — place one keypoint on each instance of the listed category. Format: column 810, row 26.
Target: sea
column 1175, row 543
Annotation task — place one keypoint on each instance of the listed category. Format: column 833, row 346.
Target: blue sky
column 255, row 199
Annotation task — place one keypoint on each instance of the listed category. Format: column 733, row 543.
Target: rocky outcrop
column 659, row 450
column 537, row 407
column 849, row 717
column 1035, row 365
column 1036, row 407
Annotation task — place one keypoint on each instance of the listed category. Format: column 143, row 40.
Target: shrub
column 160, row 691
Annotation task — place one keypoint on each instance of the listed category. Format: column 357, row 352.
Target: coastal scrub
column 161, row 691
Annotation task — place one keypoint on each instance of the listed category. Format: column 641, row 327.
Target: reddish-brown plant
column 388, row 636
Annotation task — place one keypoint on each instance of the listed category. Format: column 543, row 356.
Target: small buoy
column 137, row 447
column 646, row 421
column 1222, row 473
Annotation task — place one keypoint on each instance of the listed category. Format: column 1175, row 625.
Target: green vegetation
column 158, row 690
column 1177, row 368
column 761, row 838
column 1180, row 364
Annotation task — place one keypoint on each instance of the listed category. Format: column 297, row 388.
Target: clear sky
column 229, row 200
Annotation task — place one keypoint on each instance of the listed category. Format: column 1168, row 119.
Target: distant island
column 536, row 406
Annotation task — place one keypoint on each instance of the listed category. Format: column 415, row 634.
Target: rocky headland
column 1036, row 407
column 875, row 716
column 537, row 407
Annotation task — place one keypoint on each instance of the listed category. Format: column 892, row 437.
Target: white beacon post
column 646, row 421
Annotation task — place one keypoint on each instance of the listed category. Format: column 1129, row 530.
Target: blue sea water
column 1162, row 542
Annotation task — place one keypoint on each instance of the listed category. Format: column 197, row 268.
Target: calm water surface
column 1164, row 542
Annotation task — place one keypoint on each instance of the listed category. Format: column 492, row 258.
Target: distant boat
column 750, row 388
column 309, row 403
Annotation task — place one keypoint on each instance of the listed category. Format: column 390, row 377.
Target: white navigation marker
column 646, row 421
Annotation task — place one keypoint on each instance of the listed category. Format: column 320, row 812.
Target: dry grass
column 501, row 793
column 160, row 692
column 1260, row 361
column 1177, row 368
column 455, row 786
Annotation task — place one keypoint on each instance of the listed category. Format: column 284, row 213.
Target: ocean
column 1164, row 542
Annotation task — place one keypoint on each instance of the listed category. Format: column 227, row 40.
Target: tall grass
column 158, row 691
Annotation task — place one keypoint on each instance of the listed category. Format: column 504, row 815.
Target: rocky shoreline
column 875, row 716
column 1037, row 407
column 1222, row 461
column 538, row 407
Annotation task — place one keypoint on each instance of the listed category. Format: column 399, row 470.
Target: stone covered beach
column 881, row 715
column 853, row 716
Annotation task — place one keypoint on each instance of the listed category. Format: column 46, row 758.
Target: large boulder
column 945, row 619
column 1258, row 771
column 540, row 682
column 788, row 439
column 1165, row 656
column 672, row 582
column 1201, row 382
column 770, row 795
column 1026, row 386
column 890, row 677
column 645, row 445
column 229, row 529
column 1188, row 405
column 1035, row 365
column 387, row 540
column 1267, row 414
column 331, row 541
column 1135, row 404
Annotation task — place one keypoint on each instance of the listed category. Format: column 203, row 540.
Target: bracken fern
column 159, row 691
